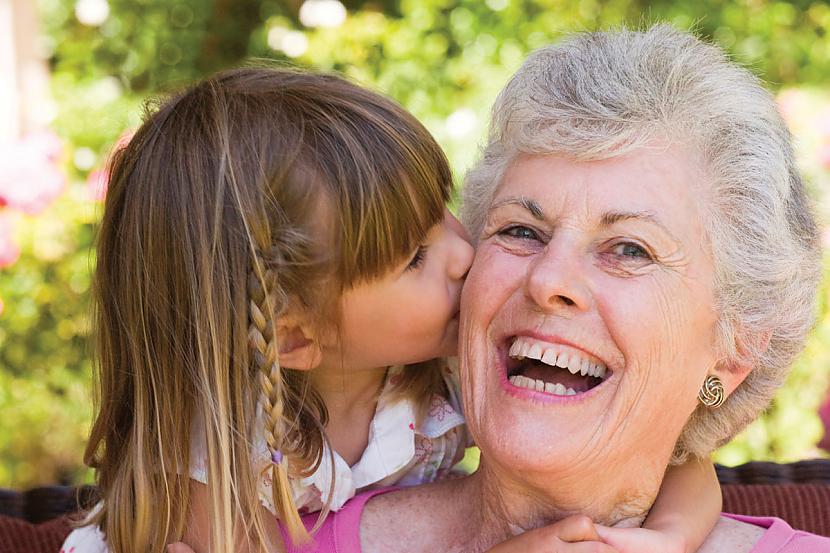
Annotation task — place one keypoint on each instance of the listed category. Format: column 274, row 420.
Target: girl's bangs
column 392, row 200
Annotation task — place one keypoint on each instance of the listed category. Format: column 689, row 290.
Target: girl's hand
column 641, row 540
column 575, row 534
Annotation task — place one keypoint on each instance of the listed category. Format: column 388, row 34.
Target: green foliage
column 44, row 356
column 444, row 60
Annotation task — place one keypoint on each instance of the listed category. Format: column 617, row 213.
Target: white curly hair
column 606, row 94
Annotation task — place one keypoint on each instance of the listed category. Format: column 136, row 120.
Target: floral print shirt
column 400, row 452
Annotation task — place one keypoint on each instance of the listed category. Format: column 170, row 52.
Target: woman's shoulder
column 380, row 527
column 409, row 520
column 744, row 534
column 341, row 531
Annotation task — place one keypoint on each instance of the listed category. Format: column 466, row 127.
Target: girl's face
column 411, row 314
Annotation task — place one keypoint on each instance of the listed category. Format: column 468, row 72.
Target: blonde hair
column 211, row 226
column 607, row 94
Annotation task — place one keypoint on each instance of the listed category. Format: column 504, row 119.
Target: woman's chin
column 545, row 431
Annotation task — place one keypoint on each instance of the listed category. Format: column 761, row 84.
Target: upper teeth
column 557, row 355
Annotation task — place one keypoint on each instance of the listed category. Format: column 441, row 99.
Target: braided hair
column 248, row 192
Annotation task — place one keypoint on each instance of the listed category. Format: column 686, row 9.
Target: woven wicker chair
column 797, row 492
column 36, row 520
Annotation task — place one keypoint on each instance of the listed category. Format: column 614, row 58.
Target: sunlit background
column 74, row 75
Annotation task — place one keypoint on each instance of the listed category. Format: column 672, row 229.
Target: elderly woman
column 638, row 207
column 639, row 217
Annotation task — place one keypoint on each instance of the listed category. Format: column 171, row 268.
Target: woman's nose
column 462, row 251
column 556, row 281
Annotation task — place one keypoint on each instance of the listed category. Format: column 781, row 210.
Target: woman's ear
column 299, row 349
column 732, row 373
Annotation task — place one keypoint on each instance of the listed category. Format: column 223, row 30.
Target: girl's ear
column 299, row 349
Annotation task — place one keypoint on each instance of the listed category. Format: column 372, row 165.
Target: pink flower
column 824, row 155
column 30, row 178
column 47, row 143
column 9, row 252
column 788, row 103
column 9, row 249
column 98, row 180
column 96, row 185
column 823, row 123
column 439, row 408
column 423, row 449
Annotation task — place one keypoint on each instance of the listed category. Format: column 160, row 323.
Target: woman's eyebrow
column 612, row 217
column 608, row 219
column 531, row 206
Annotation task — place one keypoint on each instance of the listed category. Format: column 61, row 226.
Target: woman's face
column 602, row 268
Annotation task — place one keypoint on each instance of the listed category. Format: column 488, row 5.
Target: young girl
column 276, row 274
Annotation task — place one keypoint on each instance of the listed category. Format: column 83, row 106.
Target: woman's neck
column 351, row 399
column 504, row 507
column 475, row 513
column 466, row 515
column 504, row 510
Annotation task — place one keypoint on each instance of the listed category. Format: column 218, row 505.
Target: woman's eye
column 631, row 250
column 417, row 259
column 520, row 232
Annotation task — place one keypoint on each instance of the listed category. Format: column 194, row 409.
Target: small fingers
column 552, row 546
column 575, row 534
column 585, row 547
column 575, row 528
column 179, row 547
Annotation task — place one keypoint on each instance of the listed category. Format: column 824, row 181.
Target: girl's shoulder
column 86, row 539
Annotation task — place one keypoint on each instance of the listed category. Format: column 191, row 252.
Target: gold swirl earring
column 711, row 393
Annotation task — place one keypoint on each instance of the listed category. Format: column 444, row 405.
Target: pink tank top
column 340, row 532
column 781, row 538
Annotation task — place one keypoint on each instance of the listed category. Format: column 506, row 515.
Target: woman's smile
column 546, row 368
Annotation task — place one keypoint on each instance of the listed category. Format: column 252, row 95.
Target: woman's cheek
column 495, row 271
column 664, row 357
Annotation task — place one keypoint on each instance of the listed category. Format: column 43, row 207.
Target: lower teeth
column 540, row 386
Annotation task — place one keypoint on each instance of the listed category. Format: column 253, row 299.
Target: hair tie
column 276, row 456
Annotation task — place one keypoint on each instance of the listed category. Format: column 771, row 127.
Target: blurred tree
column 232, row 22
column 153, row 43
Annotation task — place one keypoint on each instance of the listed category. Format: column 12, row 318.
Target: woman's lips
column 547, row 371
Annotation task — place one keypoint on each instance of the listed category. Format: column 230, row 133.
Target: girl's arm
column 197, row 530
column 685, row 512
column 689, row 503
